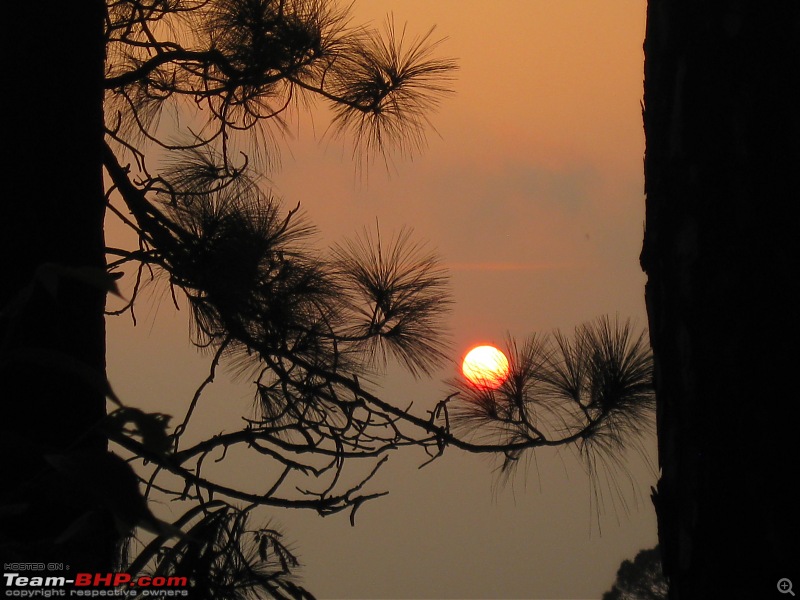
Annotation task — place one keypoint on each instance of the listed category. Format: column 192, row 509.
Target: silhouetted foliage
column 313, row 327
column 640, row 579
column 222, row 559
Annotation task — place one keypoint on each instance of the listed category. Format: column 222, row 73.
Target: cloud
column 504, row 266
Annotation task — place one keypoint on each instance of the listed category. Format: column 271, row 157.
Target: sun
column 485, row 367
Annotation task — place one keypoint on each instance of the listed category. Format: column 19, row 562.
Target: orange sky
column 532, row 192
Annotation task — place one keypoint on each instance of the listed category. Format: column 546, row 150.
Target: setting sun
column 485, row 367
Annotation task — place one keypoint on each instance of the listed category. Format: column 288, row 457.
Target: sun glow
column 485, row 367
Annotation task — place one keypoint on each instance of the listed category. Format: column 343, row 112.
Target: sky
column 531, row 189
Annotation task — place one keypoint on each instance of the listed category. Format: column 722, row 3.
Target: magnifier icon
column 785, row 586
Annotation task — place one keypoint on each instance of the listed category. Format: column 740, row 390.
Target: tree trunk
column 52, row 333
column 720, row 251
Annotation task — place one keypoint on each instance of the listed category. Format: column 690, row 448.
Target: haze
column 532, row 192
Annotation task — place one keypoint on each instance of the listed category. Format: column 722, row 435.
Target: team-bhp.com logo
column 93, row 585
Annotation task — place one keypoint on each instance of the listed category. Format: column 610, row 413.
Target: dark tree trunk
column 52, row 335
column 720, row 251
